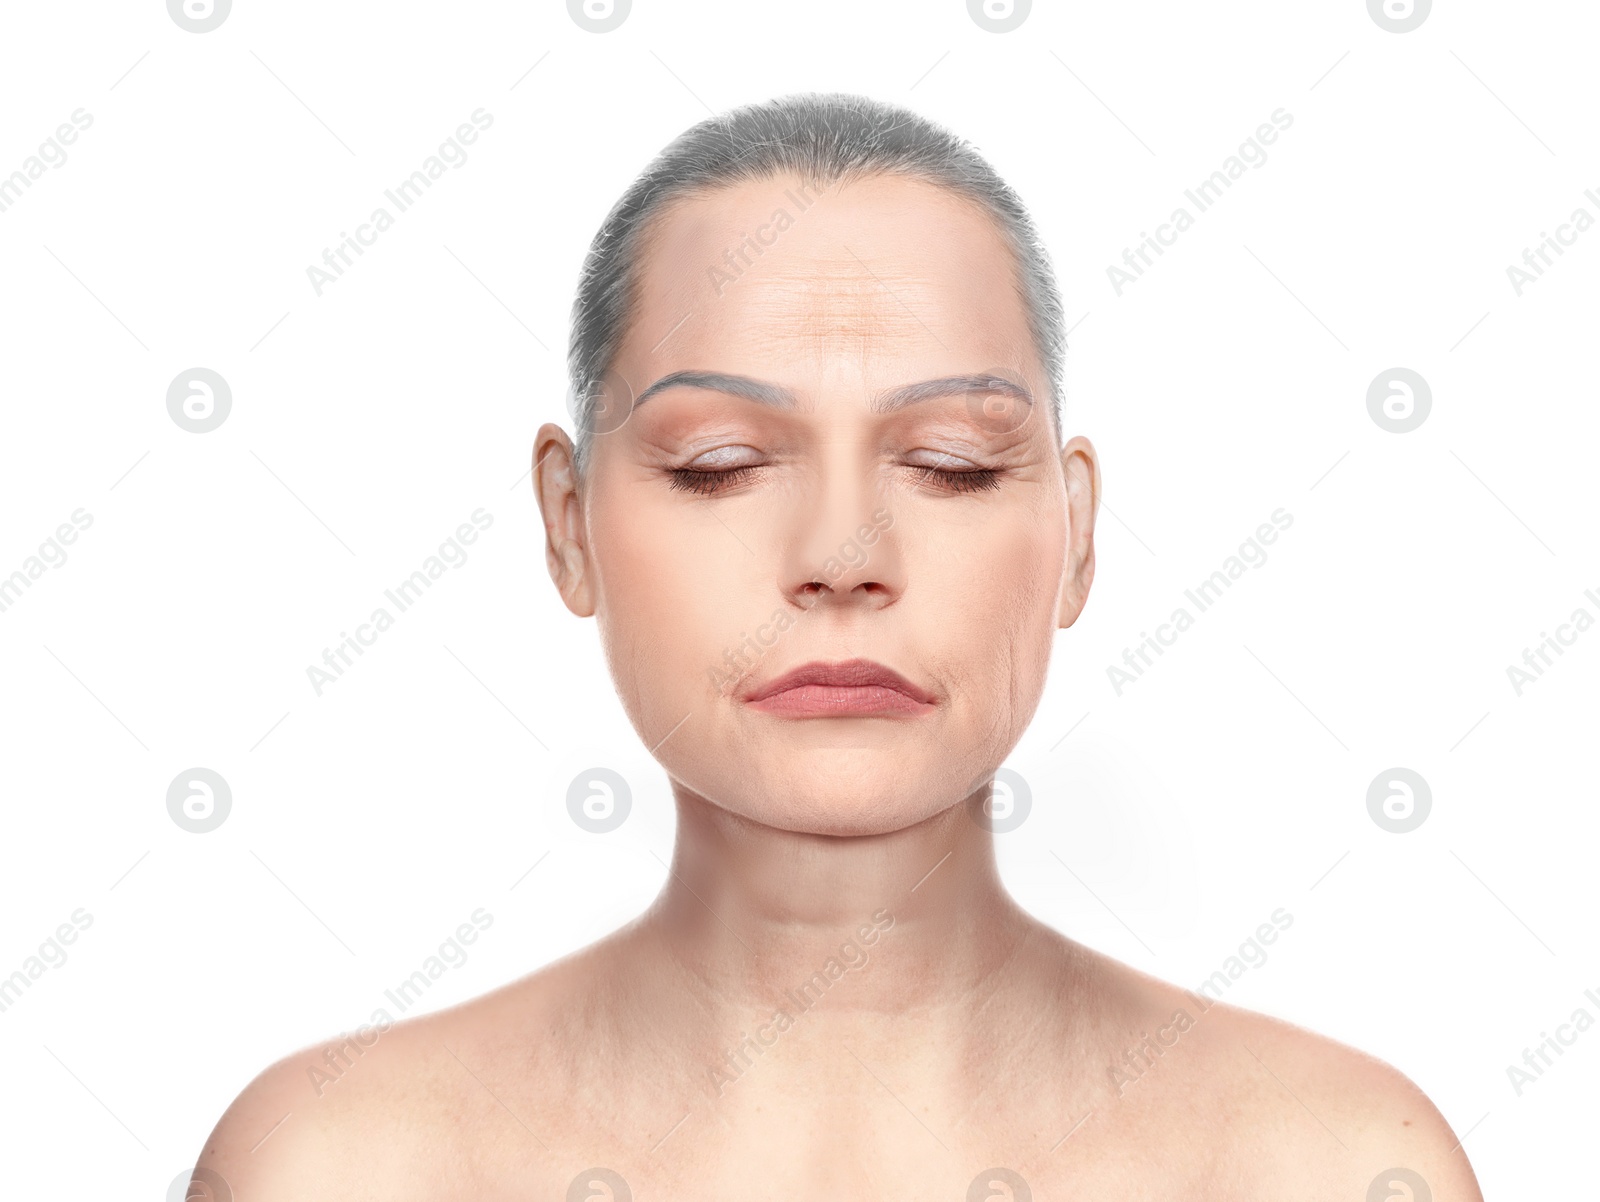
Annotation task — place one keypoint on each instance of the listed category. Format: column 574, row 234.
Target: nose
column 844, row 551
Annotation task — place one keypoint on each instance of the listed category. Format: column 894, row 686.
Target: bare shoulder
column 442, row 1105
column 1292, row 1114
column 1353, row 1122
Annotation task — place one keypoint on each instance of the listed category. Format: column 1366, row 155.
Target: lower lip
column 839, row 701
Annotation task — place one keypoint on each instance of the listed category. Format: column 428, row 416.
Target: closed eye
column 961, row 480
column 952, row 474
column 706, row 482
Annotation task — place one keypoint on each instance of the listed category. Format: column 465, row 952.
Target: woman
column 821, row 506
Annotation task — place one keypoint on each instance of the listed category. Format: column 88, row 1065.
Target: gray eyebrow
column 885, row 402
column 927, row 390
column 740, row 386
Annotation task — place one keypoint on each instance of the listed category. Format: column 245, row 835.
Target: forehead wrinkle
column 835, row 281
column 820, row 312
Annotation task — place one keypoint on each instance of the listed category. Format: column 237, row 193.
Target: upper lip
column 850, row 673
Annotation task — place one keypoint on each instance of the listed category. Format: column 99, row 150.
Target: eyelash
column 694, row 480
column 977, row 479
column 704, row 483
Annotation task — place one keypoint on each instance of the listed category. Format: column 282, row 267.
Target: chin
column 845, row 793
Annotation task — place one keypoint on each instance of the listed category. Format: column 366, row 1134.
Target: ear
column 1081, row 467
column 555, row 485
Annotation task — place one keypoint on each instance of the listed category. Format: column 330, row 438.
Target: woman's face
column 849, row 469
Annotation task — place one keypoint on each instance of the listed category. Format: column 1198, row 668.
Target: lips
column 853, row 688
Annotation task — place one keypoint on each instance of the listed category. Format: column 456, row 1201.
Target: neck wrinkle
column 751, row 912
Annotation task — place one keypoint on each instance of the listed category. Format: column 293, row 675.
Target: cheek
column 669, row 596
column 1029, row 558
column 993, row 605
column 1002, row 575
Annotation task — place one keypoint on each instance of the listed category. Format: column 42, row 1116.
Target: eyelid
column 722, row 458
column 942, row 460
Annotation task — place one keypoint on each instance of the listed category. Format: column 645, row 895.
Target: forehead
column 878, row 281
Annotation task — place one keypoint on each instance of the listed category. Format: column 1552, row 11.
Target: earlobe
column 1081, row 469
column 555, row 487
column 574, row 575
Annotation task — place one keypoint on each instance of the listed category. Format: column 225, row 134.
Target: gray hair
column 823, row 138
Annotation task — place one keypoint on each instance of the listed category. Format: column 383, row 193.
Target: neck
column 913, row 920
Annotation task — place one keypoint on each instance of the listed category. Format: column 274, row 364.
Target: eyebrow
column 885, row 402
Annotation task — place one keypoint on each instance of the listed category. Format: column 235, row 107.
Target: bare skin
column 833, row 996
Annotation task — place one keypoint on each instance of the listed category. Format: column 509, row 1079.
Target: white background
column 369, row 422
